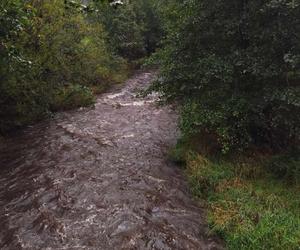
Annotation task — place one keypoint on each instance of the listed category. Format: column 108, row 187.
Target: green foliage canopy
column 235, row 66
column 46, row 47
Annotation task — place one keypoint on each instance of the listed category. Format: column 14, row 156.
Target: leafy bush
column 235, row 68
column 44, row 47
column 71, row 47
column 22, row 101
column 71, row 97
column 22, row 96
column 285, row 167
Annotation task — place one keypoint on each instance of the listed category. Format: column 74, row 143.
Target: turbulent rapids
column 99, row 178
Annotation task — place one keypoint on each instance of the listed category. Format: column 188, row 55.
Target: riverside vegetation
column 232, row 68
column 55, row 54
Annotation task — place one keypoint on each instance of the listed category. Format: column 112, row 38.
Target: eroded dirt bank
column 99, row 179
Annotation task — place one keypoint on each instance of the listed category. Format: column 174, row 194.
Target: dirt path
column 99, row 179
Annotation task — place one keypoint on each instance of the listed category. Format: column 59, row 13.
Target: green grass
column 247, row 206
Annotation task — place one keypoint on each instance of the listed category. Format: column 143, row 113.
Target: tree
column 134, row 30
column 52, row 52
column 235, row 68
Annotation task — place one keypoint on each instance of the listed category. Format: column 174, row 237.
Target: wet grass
column 248, row 206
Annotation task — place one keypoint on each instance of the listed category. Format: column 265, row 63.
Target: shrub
column 71, row 97
column 286, row 167
column 234, row 66
column 44, row 47
column 22, row 95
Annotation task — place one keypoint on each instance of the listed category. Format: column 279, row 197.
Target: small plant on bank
column 71, row 97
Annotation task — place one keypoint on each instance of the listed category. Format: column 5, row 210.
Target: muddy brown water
column 99, row 178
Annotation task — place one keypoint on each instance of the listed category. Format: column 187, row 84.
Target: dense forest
column 232, row 68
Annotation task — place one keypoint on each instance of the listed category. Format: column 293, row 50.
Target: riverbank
column 248, row 206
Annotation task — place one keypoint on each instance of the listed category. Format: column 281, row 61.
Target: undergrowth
column 249, row 206
column 71, row 97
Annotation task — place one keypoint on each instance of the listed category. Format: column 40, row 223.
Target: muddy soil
column 99, row 178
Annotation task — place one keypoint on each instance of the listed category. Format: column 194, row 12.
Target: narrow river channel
column 99, row 178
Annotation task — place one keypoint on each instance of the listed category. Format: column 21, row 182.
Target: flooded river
column 99, row 178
